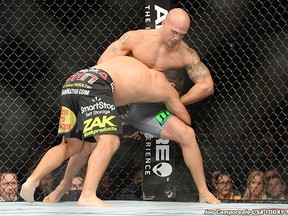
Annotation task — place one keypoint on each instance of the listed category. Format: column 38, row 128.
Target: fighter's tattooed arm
column 124, row 38
column 196, row 70
column 202, row 79
column 117, row 48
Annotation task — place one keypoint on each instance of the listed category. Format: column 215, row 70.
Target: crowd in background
column 259, row 186
column 264, row 184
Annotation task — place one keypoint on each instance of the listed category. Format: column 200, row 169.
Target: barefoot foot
column 92, row 201
column 57, row 194
column 27, row 191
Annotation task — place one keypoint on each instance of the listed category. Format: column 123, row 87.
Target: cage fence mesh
column 242, row 127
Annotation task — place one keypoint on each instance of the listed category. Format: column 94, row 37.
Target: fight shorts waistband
column 103, row 75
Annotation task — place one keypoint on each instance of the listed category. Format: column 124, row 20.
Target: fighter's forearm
column 197, row 93
column 200, row 75
column 179, row 111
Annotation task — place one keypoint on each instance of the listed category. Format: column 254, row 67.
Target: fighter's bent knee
column 188, row 133
column 72, row 146
column 87, row 148
column 112, row 140
column 115, row 144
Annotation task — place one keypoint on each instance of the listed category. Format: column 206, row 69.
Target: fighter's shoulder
column 134, row 34
column 189, row 52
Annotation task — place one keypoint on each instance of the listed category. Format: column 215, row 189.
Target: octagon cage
column 242, row 127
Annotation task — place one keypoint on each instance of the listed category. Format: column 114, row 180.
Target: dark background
column 243, row 43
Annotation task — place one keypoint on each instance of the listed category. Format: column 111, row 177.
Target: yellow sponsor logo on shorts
column 102, row 130
column 67, row 120
column 97, row 122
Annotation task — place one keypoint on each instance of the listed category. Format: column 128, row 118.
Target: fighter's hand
column 136, row 135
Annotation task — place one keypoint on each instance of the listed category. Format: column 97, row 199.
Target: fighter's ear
column 173, row 84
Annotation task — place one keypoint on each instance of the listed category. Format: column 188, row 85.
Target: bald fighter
column 163, row 49
column 160, row 49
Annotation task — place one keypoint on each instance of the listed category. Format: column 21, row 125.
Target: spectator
column 9, row 186
column 77, row 183
column 45, row 187
column 255, row 186
column 106, row 189
column 223, row 186
column 271, row 172
column 276, row 188
column 46, row 183
column 75, row 191
column 133, row 191
column 213, row 182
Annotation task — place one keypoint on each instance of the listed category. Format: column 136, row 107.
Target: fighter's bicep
column 196, row 69
column 124, row 44
column 119, row 47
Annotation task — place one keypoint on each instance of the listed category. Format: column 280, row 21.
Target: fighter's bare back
column 135, row 83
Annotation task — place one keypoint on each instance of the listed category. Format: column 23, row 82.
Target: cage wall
column 243, row 126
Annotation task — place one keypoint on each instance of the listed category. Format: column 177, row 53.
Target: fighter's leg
column 51, row 160
column 178, row 131
column 74, row 165
column 107, row 145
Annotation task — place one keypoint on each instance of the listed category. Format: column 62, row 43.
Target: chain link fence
column 242, row 127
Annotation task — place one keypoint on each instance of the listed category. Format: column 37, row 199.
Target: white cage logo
column 162, row 169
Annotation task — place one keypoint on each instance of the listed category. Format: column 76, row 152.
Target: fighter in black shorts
column 87, row 106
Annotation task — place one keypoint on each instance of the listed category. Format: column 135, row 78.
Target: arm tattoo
column 124, row 38
column 197, row 71
column 114, row 49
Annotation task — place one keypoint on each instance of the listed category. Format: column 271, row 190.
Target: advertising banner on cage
column 159, row 170
column 155, row 12
column 159, row 155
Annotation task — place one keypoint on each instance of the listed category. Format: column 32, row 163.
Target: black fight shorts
column 87, row 106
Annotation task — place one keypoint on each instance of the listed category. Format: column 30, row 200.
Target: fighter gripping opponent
column 89, row 99
column 161, row 49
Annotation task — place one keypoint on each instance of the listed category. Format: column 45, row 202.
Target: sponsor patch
column 162, row 116
column 67, row 120
column 96, row 125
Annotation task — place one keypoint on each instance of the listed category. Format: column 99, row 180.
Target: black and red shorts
column 87, row 106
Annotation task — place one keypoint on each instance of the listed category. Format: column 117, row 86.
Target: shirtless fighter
column 160, row 49
column 88, row 110
column 163, row 49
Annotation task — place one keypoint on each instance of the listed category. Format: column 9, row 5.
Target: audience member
column 45, row 187
column 106, row 189
column 9, row 186
column 271, row 172
column 223, row 186
column 213, row 182
column 77, row 183
column 75, row 191
column 276, row 188
column 133, row 191
column 255, row 186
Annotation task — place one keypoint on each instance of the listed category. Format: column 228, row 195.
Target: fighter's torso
column 154, row 54
column 133, row 81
